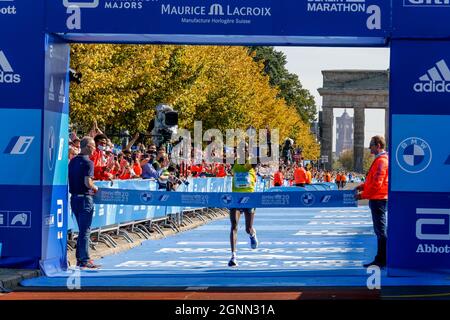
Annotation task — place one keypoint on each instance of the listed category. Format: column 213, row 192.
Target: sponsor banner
column 21, row 54
column 54, row 225
column 421, row 18
column 22, row 16
column 267, row 19
column 55, row 148
column 20, row 147
column 421, row 83
column 419, row 237
column 20, row 221
column 293, row 199
column 420, row 154
column 56, row 75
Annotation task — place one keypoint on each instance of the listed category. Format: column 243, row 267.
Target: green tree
column 288, row 83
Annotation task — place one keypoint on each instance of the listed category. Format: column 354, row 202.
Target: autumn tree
column 221, row 86
column 289, row 85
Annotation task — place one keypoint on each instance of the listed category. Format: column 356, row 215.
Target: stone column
column 358, row 145
column 326, row 146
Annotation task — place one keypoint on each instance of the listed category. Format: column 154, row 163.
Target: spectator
column 100, row 159
column 163, row 178
column 148, row 170
column 74, row 148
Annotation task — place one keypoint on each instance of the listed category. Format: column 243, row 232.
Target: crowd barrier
column 123, row 203
column 111, row 215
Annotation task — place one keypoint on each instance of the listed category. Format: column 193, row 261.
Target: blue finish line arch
column 34, row 106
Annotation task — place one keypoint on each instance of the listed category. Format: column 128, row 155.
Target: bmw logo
column 146, row 197
column 226, row 198
column 413, row 155
column 308, row 199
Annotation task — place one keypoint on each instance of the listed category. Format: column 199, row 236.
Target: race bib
column 242, row 180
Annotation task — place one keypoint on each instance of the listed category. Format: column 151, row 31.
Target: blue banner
column 55, row 148
column 296, row 199
column 54, row 227
column 21, row 54
column 420, row 77
column 20, row 145
column 194, row 21
column 20, row 225
column 419, row 232
column 420, row 19
column 420, row 156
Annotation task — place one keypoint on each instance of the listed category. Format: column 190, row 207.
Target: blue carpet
column 298, row 247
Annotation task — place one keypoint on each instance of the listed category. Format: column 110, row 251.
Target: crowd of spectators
column 151, row 162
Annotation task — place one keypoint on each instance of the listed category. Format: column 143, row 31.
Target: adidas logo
column 7, row 74
column 437, row 79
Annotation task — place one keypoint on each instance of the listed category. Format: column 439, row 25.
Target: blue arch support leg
column 33, row 140
column 419, row 206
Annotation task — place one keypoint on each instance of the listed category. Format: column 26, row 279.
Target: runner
column 244, row 180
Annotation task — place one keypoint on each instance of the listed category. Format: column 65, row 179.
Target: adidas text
column 9, row 77
column 432, row 86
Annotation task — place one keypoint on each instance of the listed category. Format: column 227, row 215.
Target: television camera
column 164, row 126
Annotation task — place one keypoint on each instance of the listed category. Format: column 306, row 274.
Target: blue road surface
column 298, row 248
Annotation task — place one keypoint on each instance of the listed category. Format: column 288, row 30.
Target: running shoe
column 254, row 241
column 232, row 262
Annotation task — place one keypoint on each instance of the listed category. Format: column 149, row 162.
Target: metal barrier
column 143, row 220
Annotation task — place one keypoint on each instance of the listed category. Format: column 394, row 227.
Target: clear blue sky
column 308, row 62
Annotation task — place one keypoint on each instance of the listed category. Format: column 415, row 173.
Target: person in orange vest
column 375, row 188
column 343, row 180
column 308, row 176
column 337, row 180
column 327, row 176
column 278, row 177
column 299, row 175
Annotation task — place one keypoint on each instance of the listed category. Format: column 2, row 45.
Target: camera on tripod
column 165, row 124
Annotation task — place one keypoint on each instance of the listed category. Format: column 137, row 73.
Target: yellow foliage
column 222, row 86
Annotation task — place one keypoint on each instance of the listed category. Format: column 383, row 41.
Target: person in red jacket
column 375, row 188
column 100, row 159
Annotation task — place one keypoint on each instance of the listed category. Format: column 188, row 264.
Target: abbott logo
column 19, row 145
column 73, row 22
column 437, row 79
column 7, row 74
column 216, row 10
column 444, row 220
column 9, row 10
column 426, row 3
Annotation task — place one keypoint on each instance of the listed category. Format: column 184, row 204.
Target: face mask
column 101, row 148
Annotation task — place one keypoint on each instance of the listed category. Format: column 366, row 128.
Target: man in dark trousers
column 375, row 188
column 82, row 189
